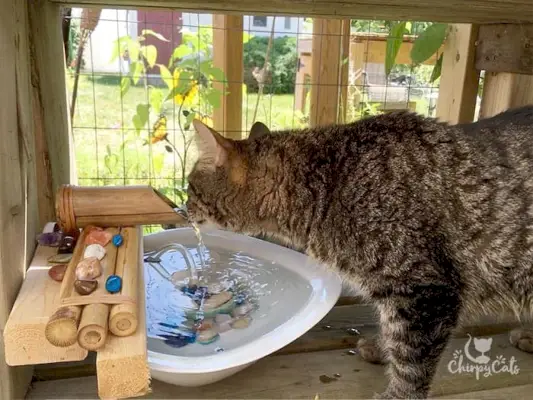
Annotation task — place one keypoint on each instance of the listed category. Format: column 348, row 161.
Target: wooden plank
column 228, row 53
column 455, row 11
column 512, row 392
column 25, row 342
column 325, row 71
column 459, row 80
column 50, row 102
column 344, row 69
column 305, row 375
column 503, row 90
column 18, row 205
column 122, row 365
column 505, row 48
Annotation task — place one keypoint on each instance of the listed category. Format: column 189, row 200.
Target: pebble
column 206, row 324
column 352, row 352
column 118, row 240
column 67, row 245
column 326, row 327
column 60, row 258
column 219, row 350
column 207, row 336
column 94, row 250
column 113, row 283
column 100, row 237
column 353, row 331
column 217, row 300
column 179, row 340
column 242, row 310
column 223, row 322
column 57, row 272
column 241, row 323
column 85, row 287
column 50, row 239
column 88, row 269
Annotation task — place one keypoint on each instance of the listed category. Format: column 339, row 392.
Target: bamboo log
column 123, row 319
column 92, row 332
column 79, row 206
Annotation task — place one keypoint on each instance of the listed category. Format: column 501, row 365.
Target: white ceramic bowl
column 310, row 292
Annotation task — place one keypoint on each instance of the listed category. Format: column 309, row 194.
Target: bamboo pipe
column 123, row 318
column 79, row 206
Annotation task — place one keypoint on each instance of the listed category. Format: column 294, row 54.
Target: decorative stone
column 118, row 240
column 242, row 310
column 60, row 258
column 208, row 336
column 67, row 245
column 179, row 340
column 100, row 237
column 217, row 300
column 223, row 322
column 88, row 269
column 50, row 239
column 94, row 250
column 57, row 272
column 205, row 324
column 113, row 284
column 85, row 287
column 241, row 323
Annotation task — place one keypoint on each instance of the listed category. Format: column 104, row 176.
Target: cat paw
column 389, row 395
column 522, row 339
column 370, row 351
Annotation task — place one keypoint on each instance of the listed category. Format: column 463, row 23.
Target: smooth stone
column 178, row 340
column 88, row 269
column 57, row 272
column 224, row 326
column 241, row 323
column 206, row 324
column 217, row 300
column 216, row 288
column 207, row 336
column 223, row 318
column 50, row 239
column 113, row 284
column 225, row 308
column 85, row 287
column 94, row 250
column 100, row 237
column 67, row 245
column 60, row 258
column 118, row 240
column 242, row 310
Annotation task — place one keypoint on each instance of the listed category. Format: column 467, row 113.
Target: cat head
column 231, row 181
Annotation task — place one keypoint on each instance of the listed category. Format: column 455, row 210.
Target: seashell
column 88, row 269
column 94, row 250
column 208, row 336
column 57, row 272
column 241, row 323
column 100, row 237
column 217, row 300
column 242, row 310
column 85, row 287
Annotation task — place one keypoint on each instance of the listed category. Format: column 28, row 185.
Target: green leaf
column 408, row 26
column 246, row 37
column 214, row 97
column 118, row 47
column 156, row 100
column 137, row 70
column 218, row 74
column 133, row 47
column 157, row 35
column 394, row 41
column 150, row 53
column 437, row 68
column 110, row 160
column 125, row 84
column 428, row 42
column 166, row 76
column 157, row 162
column 183, row 84
column 179, row 52
column 141, row 118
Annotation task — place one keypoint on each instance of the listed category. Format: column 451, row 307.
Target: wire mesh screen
column 141, row 77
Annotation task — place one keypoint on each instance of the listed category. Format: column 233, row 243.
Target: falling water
column 201, row 246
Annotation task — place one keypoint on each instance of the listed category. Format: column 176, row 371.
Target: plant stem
column 264, row 70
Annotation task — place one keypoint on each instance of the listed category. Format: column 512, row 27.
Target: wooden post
column 51, row 124
column 326, row 71
column 18, row 204
column 459, row 80
column 228, row 56
column 344, row 68
column 503, row 90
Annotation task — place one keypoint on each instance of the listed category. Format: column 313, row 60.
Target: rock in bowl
column 277, row 295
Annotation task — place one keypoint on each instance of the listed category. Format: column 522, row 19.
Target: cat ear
column 258, row 129
column 213, row 147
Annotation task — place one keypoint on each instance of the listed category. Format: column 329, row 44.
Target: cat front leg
column 415, row 327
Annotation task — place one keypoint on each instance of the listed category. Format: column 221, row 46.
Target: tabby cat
column 431, row 222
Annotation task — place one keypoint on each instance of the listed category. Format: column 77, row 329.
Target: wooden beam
column 326, row 71
column 459, row 80
column 228, row 56
column 52, row 123
column 344, row 69
column 18, row 206
column 502, row 91
column 457, row 11
column 505, row 48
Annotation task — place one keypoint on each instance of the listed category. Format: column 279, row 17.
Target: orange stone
column 100, row 237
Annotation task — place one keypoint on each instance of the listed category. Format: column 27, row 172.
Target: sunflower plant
column 189, row 87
